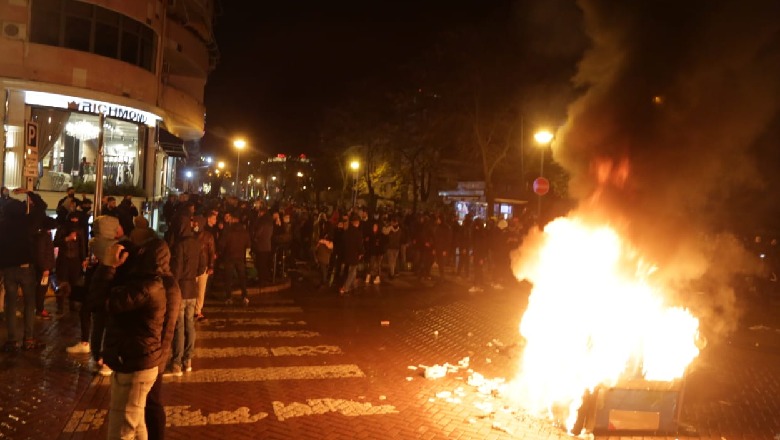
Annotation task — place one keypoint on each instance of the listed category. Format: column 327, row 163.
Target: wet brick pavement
column 306, row 364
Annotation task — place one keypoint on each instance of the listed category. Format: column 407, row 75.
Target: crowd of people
column 138, row 293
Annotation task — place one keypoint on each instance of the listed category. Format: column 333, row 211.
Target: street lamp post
column 543, row 138
column 240, row 144
column 355, row 165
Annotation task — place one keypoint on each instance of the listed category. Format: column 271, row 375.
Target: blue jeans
column 128, row 401
column 184, row 336
column 15, row 277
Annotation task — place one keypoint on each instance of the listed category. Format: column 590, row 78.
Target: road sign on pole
column 541, row 186
column 30, row 153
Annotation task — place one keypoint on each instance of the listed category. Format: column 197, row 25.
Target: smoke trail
column 674, row 96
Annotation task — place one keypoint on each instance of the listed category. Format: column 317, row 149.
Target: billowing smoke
column 674, row 95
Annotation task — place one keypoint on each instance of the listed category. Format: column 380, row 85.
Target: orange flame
column 593, row 318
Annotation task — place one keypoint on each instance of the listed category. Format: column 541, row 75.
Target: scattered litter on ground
column 384, row 323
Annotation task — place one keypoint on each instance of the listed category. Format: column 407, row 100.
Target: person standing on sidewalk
column 208, row 249
column 231, row 248
column 16, row 263
column 93, row 314
column 187, row 262
column 41, row 226
column 442, row 242
column 71, row 259
column 375, row 248
column 393, row 233
column 262, row 229
column 156, row 256
column 353, row 252
column 133, row 344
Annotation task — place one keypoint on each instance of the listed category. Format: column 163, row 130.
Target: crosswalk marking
column 307, row 372
column 230, row 352
column 250, row 321
column 257, row 334
column 323, row 406
column 280, row 309
column 183, row 415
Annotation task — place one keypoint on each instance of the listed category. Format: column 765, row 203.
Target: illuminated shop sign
column 90, row 106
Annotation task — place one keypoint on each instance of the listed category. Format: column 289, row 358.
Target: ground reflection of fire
column 594, row 318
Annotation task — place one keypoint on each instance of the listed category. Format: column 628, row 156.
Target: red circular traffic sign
column 541, row 186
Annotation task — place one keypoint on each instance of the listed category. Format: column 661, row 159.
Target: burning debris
column 655, row 145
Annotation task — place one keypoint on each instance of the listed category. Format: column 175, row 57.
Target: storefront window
column 72, row 144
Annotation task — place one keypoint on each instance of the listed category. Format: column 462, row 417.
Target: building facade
column 111, row 82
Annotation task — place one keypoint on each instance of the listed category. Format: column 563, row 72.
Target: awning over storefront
column 171, row 144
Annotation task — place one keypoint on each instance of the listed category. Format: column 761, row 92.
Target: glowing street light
column 543, row 138
column 221, row 165
column 300, row 174
column 239, row 144
column 355, row 165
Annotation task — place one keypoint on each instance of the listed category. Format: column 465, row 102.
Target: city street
column 305, row 363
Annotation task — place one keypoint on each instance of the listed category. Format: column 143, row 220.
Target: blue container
column 639, row 407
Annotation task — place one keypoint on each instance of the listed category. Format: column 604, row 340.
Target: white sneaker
column 246, row 301
column 79, row 348
column 368, row 279
column 377, row 280
column 105, row 370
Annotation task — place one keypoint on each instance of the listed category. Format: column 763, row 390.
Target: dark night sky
column 282, row 63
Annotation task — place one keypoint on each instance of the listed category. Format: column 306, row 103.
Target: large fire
column 593, row 318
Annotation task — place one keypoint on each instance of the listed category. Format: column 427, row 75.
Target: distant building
column 286, row 177
column 469, row 198
column 138, row 66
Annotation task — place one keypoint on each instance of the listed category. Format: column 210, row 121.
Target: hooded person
column 187, row 262
column 208, row 250
column 71, row 259
column 133, row 345
column 109, row 236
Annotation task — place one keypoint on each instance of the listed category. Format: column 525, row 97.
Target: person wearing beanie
column 141, row 232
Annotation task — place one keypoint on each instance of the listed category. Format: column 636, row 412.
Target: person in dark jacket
column 43, row 256
column 133, row 342
column 376, row 247
column 93, row 312
column 157, row 254
column 262, row 231
column 71, row 259
column 208, row 249
column 393, row 233
column 480, row 254
column 353, row 252
column 127, row 212
column 16, row 263
column 41, row 226
column 231, row 248
column 187, row 262
column 442, row 242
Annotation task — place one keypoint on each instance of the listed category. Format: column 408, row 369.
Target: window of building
column 90, row 28
column 107, row 33
column 71, row 156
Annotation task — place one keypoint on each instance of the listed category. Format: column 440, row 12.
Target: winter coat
column 376, row 244
column 187, row 261
column 353, row 245
column 15, row 239
column 208, row 246
column 136, row 306
column 233, row 243
column 393, row 234
column 323, row 250
column 262, row 231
